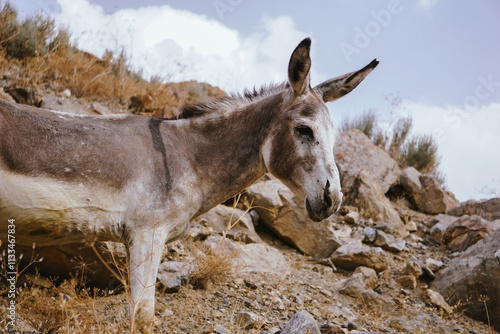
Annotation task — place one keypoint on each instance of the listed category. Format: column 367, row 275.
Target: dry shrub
column 213, row 266
column 66, row 309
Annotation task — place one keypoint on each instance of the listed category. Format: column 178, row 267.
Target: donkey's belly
column 50, row 212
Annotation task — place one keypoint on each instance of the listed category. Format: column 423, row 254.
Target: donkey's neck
column 227, row 152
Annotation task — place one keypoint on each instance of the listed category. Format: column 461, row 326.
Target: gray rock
column 283, row 213
column 66, row 93
column 172, row 275
column 342, row 312
column 355, row 152
column 433, row 265
column 370, row 235
column 389, row 242
column 374, row 301
column 221, row 216
column 362, row 279
column 432, row 199
column 473, row 278
column 410, row 180
column 301, row 323
column 441, row 223
column 367, row 193
column 218, row 329
column 351, row 256
column 465, row 231
column 252, row 257
column 52, row 102
column 167, row 313
column 197, row 232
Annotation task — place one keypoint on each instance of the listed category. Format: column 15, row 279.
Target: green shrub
column 400, row 132
column 367, row 123
column 421, row 153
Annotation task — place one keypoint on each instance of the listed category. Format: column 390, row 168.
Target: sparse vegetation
column 418, row 151
column 35, row 53
column 366, row 122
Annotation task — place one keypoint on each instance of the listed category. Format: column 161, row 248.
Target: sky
column 439, row 58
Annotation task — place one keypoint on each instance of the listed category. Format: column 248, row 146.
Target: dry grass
column 68, row 309
column 35, row 54
column 213, row 266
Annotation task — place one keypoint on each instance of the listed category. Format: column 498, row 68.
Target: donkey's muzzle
column 326, row 206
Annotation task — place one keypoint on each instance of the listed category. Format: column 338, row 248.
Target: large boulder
column 441, row 223
column 251, row 257
column 432, row 199
column 410, row 180
column 465, row 232
column 473, row 279
column 283, row 213
column 354, row 152
column 64, row 104
column 236, row 223
column 425, row 192
column 367, row 194
column 488, row 209
column 351, row 256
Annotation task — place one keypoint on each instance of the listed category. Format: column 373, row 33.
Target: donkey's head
column 299, row 152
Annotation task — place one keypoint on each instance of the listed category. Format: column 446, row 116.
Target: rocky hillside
column 401, row 256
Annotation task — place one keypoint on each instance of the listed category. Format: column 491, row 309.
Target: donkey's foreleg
column 145, row 253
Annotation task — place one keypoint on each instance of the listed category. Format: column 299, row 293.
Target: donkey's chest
column 51, row 212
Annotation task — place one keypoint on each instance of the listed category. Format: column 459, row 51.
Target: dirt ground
column 272, row 299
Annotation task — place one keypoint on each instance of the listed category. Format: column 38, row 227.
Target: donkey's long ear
column 299, row 66
column 337, row 87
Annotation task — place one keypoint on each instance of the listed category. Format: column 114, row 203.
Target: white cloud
column 468, row 141
column 426, row 4
column 180, row 45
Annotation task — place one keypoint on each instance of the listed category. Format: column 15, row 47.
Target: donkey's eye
column 304, row 131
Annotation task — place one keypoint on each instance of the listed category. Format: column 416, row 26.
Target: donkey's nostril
column 326, row 195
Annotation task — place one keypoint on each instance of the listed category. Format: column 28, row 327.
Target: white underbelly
column 51, row 212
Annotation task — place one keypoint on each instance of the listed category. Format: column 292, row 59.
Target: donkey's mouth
column 311, row 213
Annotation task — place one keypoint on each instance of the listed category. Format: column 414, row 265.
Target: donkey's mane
column 230, row 102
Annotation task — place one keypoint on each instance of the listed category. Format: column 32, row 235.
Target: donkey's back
column 64, row 177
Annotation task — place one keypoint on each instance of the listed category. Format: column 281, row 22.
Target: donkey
column 140, row 180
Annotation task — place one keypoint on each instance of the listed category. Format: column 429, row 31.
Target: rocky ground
column 374, row 282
